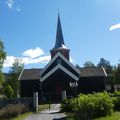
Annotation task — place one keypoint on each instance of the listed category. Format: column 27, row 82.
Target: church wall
column 54, row 85
column 27, row 87
column 91, row 84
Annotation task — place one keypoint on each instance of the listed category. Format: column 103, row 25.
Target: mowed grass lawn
column 114, row 116
column 23, row 116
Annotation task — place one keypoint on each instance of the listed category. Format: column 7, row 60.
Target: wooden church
column 60, row 74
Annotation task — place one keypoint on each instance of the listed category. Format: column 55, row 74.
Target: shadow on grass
column 63, row 118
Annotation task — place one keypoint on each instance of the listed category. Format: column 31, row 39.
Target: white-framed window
column 59, row 61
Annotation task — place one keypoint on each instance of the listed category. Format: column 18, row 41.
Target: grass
column 21, row 117
column 43, row 107
column 114, row 116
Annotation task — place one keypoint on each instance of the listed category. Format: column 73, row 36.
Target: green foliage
column 89, row 106
column 12, row 110
column 2, row 79
column 2, row 58
column 2, row 54
column 15, row 71
column 106, row 64
column 67, row 105
column 89, row 64
column 103, row 104
column 116, row 101
column 8, row 91
column 116, row 75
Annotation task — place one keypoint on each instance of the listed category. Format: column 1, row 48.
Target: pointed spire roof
column 59, row 35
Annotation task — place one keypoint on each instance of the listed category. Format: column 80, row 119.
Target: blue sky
column 91, row 30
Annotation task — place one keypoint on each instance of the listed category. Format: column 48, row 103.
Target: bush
column 85, row 106
column 95, row 105
column 12, row 110
column 103, row 104
column 116, row 102
column 90, row 106
column 67, row 105
column 8, row 91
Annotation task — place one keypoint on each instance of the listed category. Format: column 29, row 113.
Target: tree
column 89, row 64
column 77, row 66
column 15, row 71
column 116, row 75
column 2, row 58
column 8, row 91
column 2, row 54
column 106, row 64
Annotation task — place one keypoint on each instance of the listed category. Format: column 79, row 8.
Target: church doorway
column 59, row 89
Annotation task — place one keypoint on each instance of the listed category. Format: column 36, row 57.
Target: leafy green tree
column 116, row 75
column 2, row 58
column 89, row 64
column 8, row 91
column 77, row 66
column 2, row 54
column 106, row 64
column 15, row 71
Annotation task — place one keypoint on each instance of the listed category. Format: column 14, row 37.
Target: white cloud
column 71, row 60
column 33, row 53
column 31, row 56
column 26, row 60
column 18, row 9
column 43, row 59
column 10, row 3
column 9, row 61
column 113, row 27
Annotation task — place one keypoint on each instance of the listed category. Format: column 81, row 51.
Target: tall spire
column 59, row 35
column 59, row 43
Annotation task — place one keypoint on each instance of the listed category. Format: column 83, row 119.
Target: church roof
column 92, row 72
column 30, row 74
column 35, row 74
column 59, row 43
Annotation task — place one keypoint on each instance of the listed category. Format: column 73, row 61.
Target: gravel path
column 52, row 114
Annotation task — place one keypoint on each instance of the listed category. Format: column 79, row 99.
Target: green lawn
column 114, row 116
column 21, row 117
column 43, row 107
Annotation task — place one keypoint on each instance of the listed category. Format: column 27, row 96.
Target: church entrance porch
column 53, row 86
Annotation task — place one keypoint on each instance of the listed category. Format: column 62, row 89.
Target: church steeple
column 59, row 43
column 59, row 35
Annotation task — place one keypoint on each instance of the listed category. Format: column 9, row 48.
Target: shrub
column 85, row 106
column 12, row 110
column 90, row 106
column 8, row 91
column 103, row 104
column 95, row 105
column 116, row 102
column 67, row 105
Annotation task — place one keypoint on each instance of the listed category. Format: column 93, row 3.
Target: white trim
column 104, row 71
column 20, row 74
column 54, row 58
column 63, row 69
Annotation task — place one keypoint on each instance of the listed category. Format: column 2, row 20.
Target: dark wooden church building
column 60, row 74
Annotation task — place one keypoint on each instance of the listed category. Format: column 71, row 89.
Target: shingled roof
column 92, row 72
column 30, row 74
column 34, row 74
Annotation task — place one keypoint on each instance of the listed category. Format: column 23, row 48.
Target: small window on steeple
column 59, row 61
